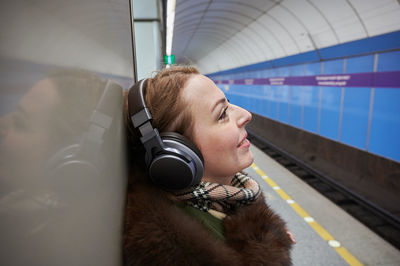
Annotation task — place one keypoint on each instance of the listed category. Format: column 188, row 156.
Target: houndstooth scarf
column 242, row 191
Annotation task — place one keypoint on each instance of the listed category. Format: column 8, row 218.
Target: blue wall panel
column 297, row 70
column 355, row 117
column 389, row 61
column 284, row 71
column 273, row 72
column 268, row 100
column 385, row 127
column 311, row 103
column 251, row 103
column 313, row 69
column 284, row 104
column 295, row 106
column 237, row 88
column 265, row 103
column 274, row 103
column 257, row 92
column 333, row 67
column 239, row 101
column 246, row 99
column 360, row 64
column 253, row 98
column 330, row 112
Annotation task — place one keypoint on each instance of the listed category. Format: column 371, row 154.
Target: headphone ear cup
column 182, row 139
column 179, row 165
column 69, row 175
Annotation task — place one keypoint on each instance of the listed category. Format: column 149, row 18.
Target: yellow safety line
column 347, row 256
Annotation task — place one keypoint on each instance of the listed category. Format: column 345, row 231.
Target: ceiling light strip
column 170, row 25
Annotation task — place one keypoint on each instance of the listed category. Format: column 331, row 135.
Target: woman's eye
column 223, row 115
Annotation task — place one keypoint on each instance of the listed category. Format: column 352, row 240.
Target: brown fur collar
column 159, row 233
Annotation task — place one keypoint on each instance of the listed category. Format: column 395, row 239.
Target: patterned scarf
column 223, row 198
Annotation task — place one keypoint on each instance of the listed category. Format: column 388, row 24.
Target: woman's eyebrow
column 220, row 101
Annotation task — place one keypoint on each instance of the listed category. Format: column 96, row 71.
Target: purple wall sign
column 390, row 79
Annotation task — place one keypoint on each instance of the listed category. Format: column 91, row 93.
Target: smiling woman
column 218, row 130
column 214, row 213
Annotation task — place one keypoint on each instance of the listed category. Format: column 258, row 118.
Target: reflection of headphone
column 173, row 161
column 79, row 165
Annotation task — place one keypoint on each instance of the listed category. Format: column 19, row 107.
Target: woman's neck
column 219, row 180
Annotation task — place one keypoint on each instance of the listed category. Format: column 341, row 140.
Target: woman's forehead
column 201, row 90
column 40, row 98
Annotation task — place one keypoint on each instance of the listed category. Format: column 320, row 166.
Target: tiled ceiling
column 222, row 34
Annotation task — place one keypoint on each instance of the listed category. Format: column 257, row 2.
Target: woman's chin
column 248, row 160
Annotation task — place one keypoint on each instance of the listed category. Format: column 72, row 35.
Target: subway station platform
column 325, row 234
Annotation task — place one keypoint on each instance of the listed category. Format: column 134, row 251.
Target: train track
column 377, row 219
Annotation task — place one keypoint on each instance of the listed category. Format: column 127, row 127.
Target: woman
column 224, row 219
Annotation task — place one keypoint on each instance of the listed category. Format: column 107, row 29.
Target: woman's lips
column 245, row 142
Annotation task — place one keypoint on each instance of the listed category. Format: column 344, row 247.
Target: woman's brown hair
column 168, row 109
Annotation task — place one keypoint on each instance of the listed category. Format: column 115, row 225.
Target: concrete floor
column 353, row 243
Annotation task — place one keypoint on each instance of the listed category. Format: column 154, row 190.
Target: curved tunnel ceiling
column 222, row 34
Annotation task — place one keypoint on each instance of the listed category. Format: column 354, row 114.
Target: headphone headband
column 138, row 112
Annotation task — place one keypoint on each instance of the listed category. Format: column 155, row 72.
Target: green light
column 169, row 59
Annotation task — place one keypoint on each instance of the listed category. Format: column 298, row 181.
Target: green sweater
column 209, row 221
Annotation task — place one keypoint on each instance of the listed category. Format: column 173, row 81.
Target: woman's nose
column 244, row 116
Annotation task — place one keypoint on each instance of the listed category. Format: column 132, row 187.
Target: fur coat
column 157, row 232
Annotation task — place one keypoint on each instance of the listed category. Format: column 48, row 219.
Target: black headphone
column 173, row 161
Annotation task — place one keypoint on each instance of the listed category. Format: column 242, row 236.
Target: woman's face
column 218, row 130
column 24, row 137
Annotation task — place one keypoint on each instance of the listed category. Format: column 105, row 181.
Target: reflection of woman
column 55, row 112
column 221, row 221
column 43, row 219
